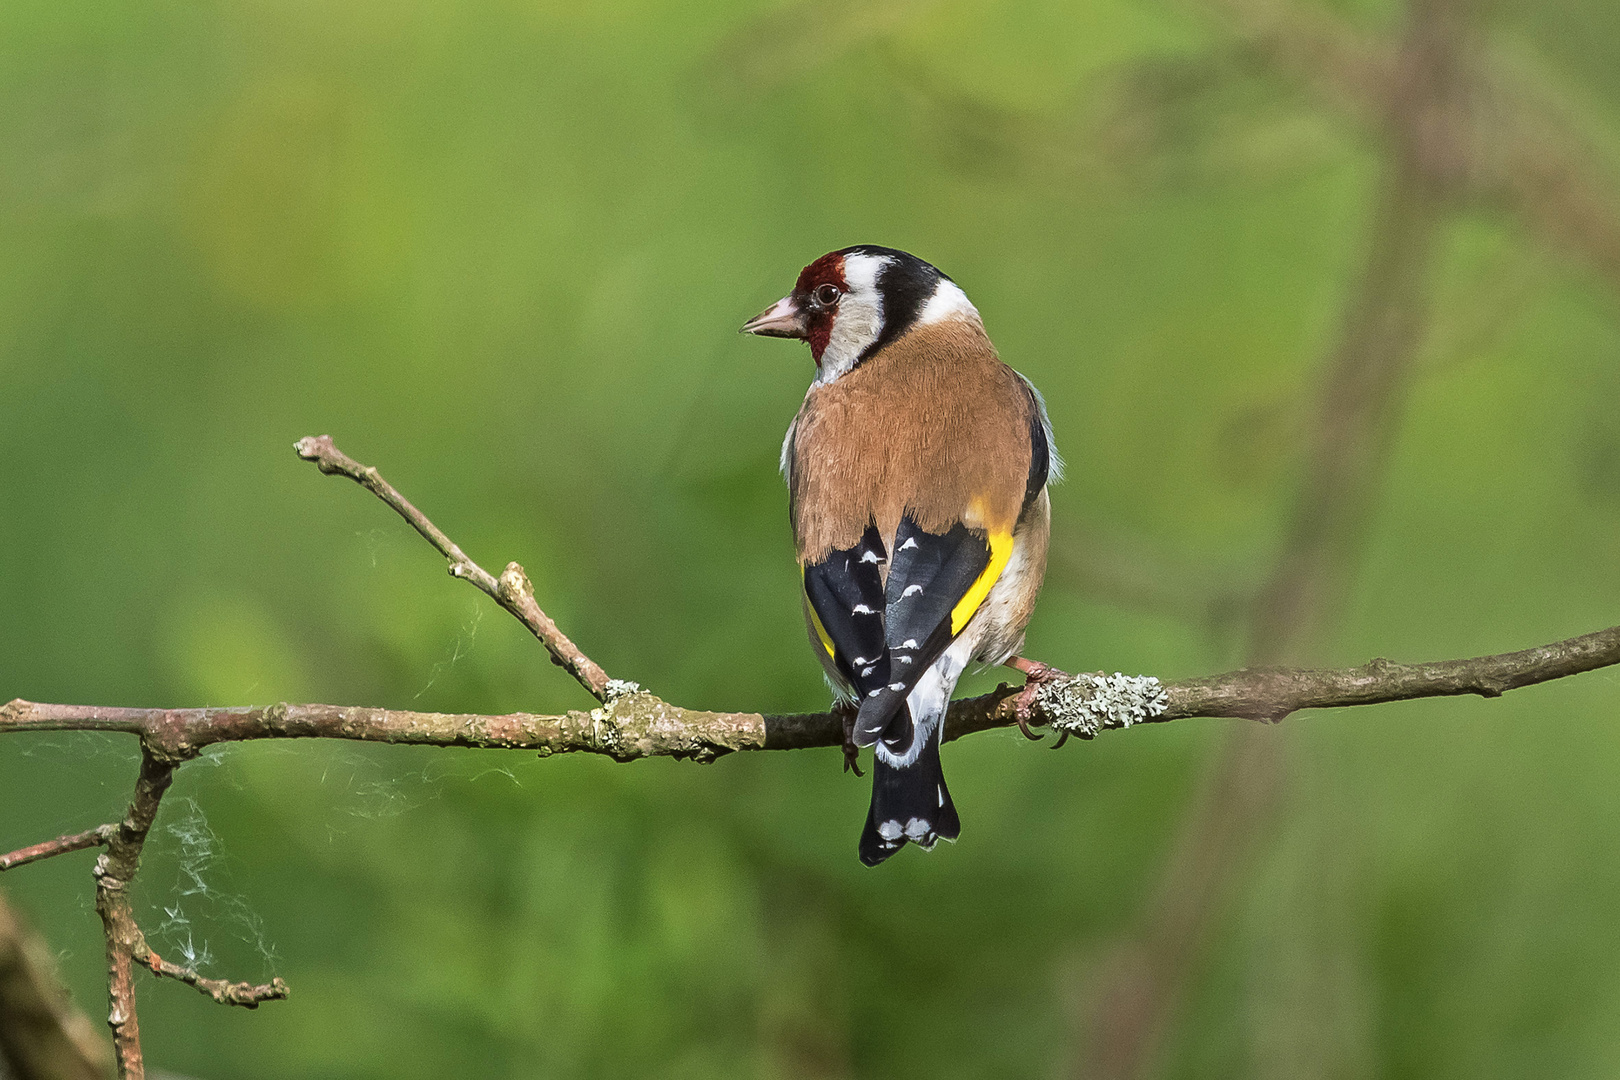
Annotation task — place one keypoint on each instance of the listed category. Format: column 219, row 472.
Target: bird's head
column 848, row 304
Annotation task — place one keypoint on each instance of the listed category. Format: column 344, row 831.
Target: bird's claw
column 852, row 753
column 1036, row 675
column 1022, row 715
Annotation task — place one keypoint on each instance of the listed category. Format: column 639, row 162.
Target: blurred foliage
column 500, row 250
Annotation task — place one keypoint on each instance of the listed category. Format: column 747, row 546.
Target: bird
column 917, row 472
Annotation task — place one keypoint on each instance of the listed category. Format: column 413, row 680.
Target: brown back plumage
column 933, row 423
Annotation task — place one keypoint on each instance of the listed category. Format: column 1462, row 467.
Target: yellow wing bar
column 1001, row 545
column 821, row 631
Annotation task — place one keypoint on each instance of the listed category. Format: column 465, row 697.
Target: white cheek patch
column 860, row 315
column 948, row 301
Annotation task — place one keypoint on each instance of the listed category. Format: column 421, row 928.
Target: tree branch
column 114, row 873
column 244, row 994
column 638, row 725
column 60, row 846
column 511, row 590
column 126, row 945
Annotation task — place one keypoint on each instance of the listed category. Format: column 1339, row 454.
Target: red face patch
column 827, row 270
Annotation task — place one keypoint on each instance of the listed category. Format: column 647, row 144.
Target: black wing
column 1040, row 448
column 928, row 577
column 846, row 596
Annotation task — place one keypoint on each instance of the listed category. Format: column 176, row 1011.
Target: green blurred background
column 500, row 249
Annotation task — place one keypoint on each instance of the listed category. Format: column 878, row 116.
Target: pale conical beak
column 781, row 319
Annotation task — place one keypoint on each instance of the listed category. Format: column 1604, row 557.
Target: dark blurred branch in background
column 1428, row 90
column 42, row 1036
column 1507, row 140
column 632, row 723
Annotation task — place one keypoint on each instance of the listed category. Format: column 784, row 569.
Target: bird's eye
column 827, row 295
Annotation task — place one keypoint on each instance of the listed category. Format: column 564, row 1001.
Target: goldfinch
column 916, row 470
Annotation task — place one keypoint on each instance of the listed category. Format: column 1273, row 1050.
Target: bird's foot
column 847, row 711
column 1036, row 675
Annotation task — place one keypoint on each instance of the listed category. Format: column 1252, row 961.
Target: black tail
column 909, row 805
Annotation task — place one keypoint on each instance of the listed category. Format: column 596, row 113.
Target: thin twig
column 60, row 846
column 244, row 994
column 511, row 590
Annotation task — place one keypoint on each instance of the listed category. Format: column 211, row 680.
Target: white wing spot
column 870, row 556
column 875, row 693
column 862, row 609
column 865, row 671
column 909, row 643
column 904, row 659
column 897, row 686
column 889, row 830
column 941, row 792
column 911, row 590
column 911, row 542
column 917, row 828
